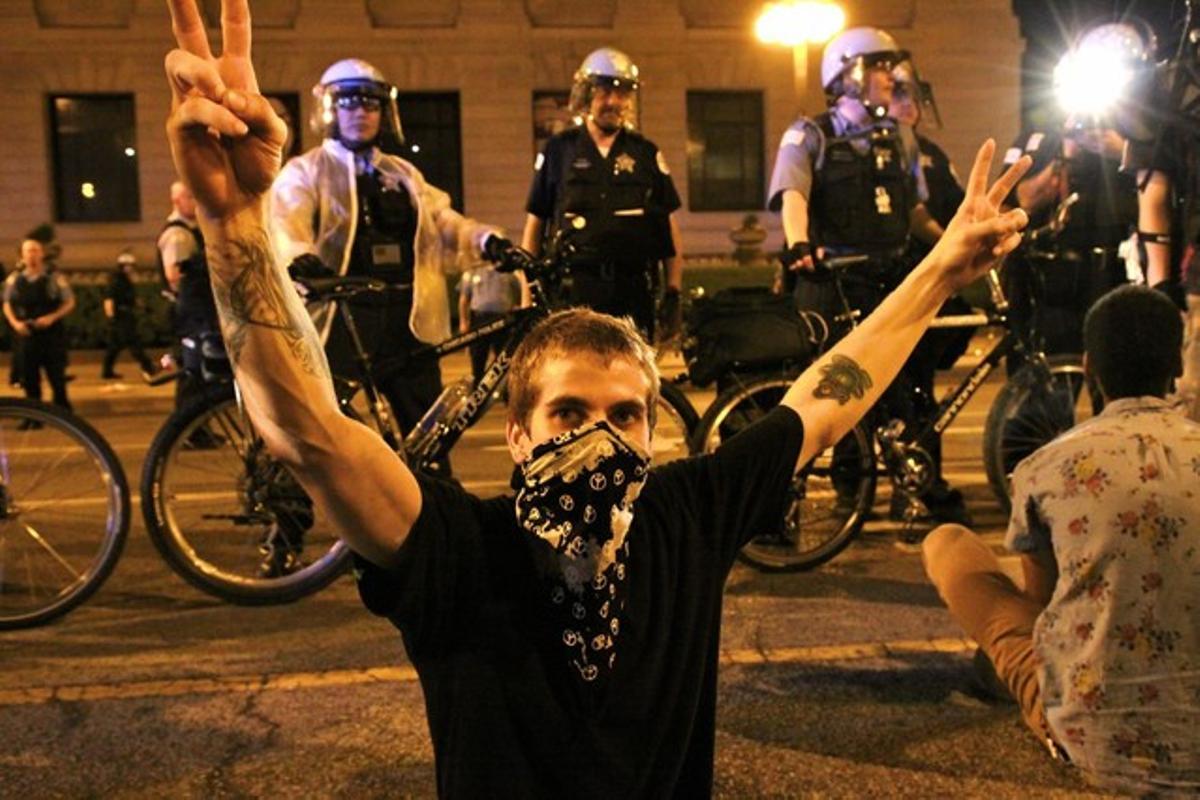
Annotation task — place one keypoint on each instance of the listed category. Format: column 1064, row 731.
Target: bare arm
column 17, row 325
column 1154, row 216
column 531, row 236
column 1039, row 191
column 1041, row 573
column 464, row 312
column 173, row 274
column 922, row 226
column 110, row 308
column 278, row 361
column 833, row 394
column 675, row 263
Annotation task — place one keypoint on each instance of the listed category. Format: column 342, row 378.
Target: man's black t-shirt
column 506, row 715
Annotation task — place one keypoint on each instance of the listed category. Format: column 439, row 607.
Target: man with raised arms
column 566, row 638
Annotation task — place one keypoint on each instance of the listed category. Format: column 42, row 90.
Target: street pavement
column 847, row 681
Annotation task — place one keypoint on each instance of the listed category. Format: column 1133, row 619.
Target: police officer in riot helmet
column 351, row 207
column 606, row 190
column 846, row 185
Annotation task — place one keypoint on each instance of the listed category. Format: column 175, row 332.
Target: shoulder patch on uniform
column 792, row 136
column 1011, row 155
column 661, row 160
column 1035, row 141
column 537, row 162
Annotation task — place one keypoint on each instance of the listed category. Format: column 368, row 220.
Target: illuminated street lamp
column 797, row 24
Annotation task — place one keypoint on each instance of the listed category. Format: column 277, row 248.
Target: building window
column 725, row 151
column 433, row 139
column 94, row 148
column 551, row 115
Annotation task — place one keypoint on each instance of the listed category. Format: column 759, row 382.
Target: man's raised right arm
column 371, row 497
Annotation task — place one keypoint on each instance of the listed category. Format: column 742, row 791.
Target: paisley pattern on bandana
column 576, row 495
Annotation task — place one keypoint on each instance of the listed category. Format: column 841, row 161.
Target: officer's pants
column 620, row 291
column 122, row 333
column 45, row 351
column 383, row 327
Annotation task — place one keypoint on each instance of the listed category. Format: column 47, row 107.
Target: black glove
column 796, row 253
column 670, row 314
column 497, row 248
column 308, row 265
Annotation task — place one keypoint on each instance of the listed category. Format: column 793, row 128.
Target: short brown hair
column 575, row 330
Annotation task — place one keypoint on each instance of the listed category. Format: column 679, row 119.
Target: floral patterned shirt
column 1117, row 500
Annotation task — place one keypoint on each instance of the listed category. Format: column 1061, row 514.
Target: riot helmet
column 607, row 67
column 354, row 83
column 910, row 89
column 849, row 56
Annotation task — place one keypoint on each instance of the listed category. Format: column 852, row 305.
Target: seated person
column 1102, row 647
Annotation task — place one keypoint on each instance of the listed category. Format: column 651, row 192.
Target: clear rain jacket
column 314, row 209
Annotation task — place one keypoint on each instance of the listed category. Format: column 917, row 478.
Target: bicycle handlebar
column 339, row 287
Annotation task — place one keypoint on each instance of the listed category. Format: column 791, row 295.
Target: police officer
column 913, row 103
column 120, row 308
column 184, row 269
column 846, row 185
column 351, row 207
column 35, row 302
column 1051, row 297
column 607, row 190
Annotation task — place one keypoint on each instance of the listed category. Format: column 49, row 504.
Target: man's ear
column 517, row 439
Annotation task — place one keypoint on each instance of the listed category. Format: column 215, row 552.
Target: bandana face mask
column 576, row 496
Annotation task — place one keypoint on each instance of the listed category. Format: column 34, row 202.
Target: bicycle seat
column 339, row 287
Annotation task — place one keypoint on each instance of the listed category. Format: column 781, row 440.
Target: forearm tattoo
column 255, row 297
column 842, row 379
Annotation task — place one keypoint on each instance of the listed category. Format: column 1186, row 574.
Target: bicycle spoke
column 37, row 537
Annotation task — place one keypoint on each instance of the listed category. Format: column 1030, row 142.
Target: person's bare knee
column 939, row 544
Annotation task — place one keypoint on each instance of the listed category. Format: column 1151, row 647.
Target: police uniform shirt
column 860, row 190
column 617, row 206
column 48, row 291
column 801, row 149
column 386, row 231
column 175, row 244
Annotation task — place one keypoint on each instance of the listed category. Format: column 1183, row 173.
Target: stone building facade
column 494, row 54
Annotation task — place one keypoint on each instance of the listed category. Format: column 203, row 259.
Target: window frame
column 131, row 207
column 701, row 200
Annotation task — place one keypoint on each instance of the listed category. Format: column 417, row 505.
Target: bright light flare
column 1091, row 81
column 799, row 21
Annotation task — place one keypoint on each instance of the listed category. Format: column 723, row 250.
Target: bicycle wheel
column 675, row 423
column 1038, row 403
column 827, row 505
column 229, row 518
column 64, row 512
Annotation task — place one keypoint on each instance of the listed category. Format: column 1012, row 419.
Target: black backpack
column 745, row 329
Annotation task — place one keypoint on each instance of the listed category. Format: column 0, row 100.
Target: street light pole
column 796, row 24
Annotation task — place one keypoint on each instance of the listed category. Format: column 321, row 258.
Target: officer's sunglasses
column 349, row 102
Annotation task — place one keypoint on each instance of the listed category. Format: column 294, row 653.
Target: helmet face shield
column 350, row 84
column 910, row 89
column 609, row 69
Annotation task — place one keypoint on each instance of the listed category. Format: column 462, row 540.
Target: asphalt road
column 849, row 681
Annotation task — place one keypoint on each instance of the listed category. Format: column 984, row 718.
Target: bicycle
column 211, row 512
column 64, row 512
column 831, row 503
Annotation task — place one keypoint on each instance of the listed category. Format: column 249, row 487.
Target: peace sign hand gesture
column 225, row 139
column 979, row 236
